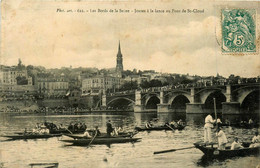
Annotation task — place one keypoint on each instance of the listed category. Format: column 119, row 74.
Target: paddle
column 170, row 127
column 92, row 139
column 173, row 150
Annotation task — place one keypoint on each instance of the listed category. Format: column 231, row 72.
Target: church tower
column 119, row 62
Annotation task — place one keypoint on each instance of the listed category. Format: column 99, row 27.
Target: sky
column 182, row 43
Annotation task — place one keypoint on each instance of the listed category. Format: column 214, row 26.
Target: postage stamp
column 238, row 30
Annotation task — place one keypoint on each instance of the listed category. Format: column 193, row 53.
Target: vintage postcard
column 127, row 83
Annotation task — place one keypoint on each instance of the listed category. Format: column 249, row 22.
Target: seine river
column 20, row 153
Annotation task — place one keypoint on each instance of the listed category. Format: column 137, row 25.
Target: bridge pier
column 163, row 108
column 104, row 102
column 194, row 108
column 230, row 108
column 138, row 108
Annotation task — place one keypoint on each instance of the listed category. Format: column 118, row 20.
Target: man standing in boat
column 109, row 128
column 207, row 129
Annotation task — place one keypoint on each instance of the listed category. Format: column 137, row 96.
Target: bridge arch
column 178, row 102
column 186, row 95
column 219, row 97
column 242, row 92
column 205, row 93
column 120, row 103
column 249, row 102
column 152, row 101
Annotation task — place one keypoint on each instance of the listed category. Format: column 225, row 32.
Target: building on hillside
column 75, row 97
column 160, row 78
column 139, row 79
column 53, row 86
column 15, row 80
column 101, row 83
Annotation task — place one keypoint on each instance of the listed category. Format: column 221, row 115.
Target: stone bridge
column 230, row 99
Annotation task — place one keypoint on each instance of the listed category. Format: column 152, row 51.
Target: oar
column 173, row 150
column 92, row 139
column 215, row 110
column 170, row 127
column 69, row 130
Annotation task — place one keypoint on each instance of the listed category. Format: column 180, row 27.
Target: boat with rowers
column 213, row 152
column 103, row 135
column 159, row 128
column 30, row 136
column 100, row 141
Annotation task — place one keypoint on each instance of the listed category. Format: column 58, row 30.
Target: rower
column 173, row 124
column 219, row 123
column 148, row 124
column 70, row 127
column 115, row 132
column 236, row 145
column 86, row 134
column 222, row 139
column 250, row 121
column 61, row 126
column 255, row 141
column 180, row 122
column 84, row 126
column 44, row 130
column 97, row 131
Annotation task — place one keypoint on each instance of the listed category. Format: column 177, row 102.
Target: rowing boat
column 103, row 135
column 164, row 127
column 111, row 140
column 64, row 131
column 31, row 136
column 213, row 152
column 59, row 131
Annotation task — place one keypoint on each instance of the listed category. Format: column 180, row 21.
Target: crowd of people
column 221, row 136
column 78, row 126
column 38, row 129
column 110, row 131
column 174, row 124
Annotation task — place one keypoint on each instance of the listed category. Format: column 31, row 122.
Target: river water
column 20, row 153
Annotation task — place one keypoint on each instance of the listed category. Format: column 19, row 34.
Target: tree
column 129, row 86
column 21, row 80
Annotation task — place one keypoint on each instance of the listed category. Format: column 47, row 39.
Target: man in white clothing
column 86, row 134
column 207, row 128
column 236, row 145
column 255, row 141
column 222, row 139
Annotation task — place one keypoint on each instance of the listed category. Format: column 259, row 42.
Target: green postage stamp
column 238, row 30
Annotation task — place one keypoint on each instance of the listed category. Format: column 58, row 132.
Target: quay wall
column 14, row 105
column 53, row 103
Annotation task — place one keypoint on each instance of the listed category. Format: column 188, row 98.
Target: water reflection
column 116, row 155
